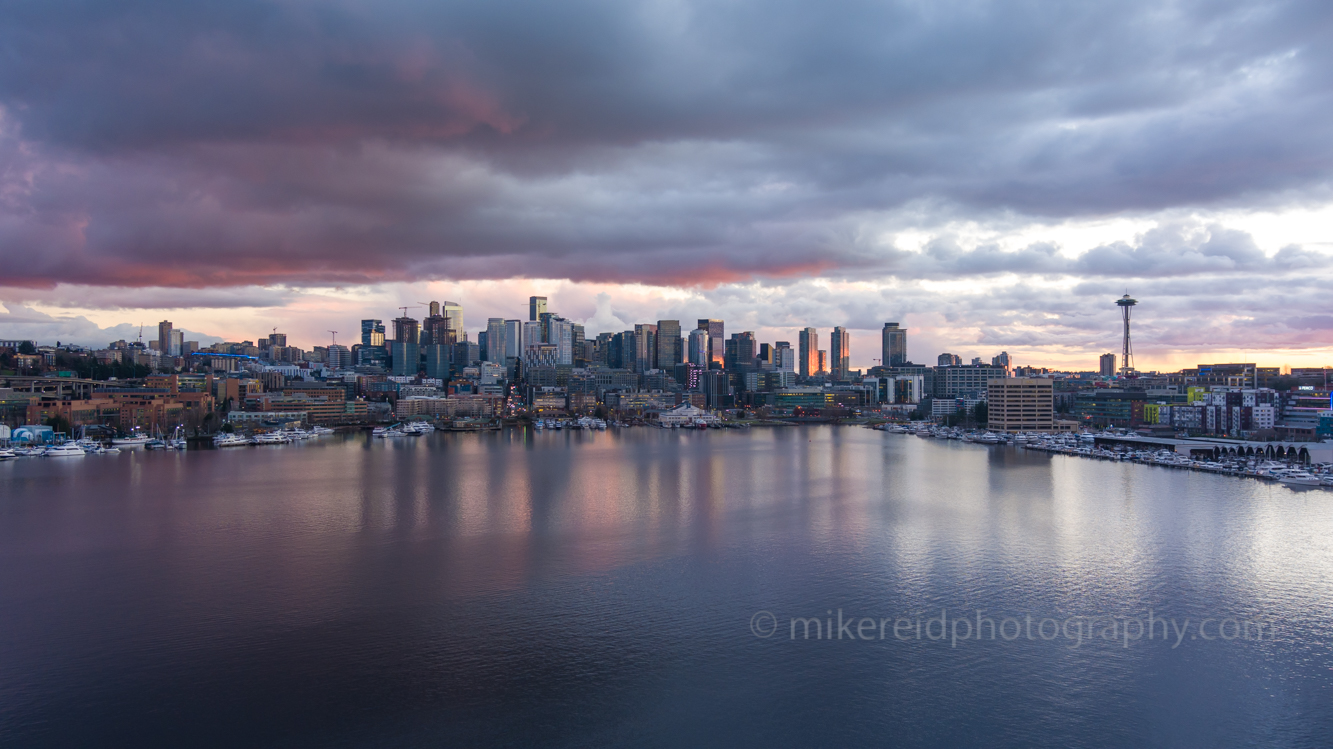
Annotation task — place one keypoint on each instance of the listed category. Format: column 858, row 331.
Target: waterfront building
column 807, row 355
column 840, row 352
column 1020, row 404
column 1104, row 407
column 953, row 381
column 894, row 345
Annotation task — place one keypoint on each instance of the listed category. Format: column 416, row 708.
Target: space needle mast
column 1127, row 354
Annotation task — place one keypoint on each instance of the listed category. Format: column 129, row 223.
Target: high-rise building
column 645, row 347
column 406, row 355
column 1107, row 365
column 1002, row 360
column 562, row 335
column 581, row 357
column 840, row 353
column 437, row 361
column 435, row 309
column 699, row 348
column 405, row 329
column 513, row 339
column 532, row 335
column 495, row 340
column 741, row 351
column 453, row 312
column 822, row 361
column 164, row 336
column 177, row 343
column 716, row 342
column 1020, row 404
column 895, row 345
column 435, row 330
column 807, row 354
column 277, row 339
column 339, row 356
column 536, row 306
column 949, row 360
column 668, row 344
column 784, row 358
column 372, row 333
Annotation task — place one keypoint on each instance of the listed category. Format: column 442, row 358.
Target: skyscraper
column 372, row 333
column 177, row 338
column 840, row 353
column 406, row 347
column 453, row 312
column 895, row 345
column 645, row 347
column 435, row 330
column 434, row 309
column 716, row 341
column 700, row 349
column 784, row 359
column 668, row 344
column 536, row 306
column 437, row 361
column 741, row 350
column 513, row 339
column 807, row 355
column 822, row 360
column 164, row 336
column 495, row 340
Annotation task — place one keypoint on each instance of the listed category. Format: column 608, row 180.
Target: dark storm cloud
column 244, row 142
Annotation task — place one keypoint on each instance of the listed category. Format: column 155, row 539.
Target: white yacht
column 1299, row 478
column 134, row 440
column 6, row 454
column 230, row 440
column 67, row 450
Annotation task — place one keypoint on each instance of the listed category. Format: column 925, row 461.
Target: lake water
column 637, row 588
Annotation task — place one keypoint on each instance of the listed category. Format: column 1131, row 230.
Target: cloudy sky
column 990, row 174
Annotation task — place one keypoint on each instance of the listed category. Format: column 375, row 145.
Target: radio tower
column 1127, row 354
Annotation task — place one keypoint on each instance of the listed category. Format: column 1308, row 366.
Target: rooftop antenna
column 335, row 337
column 1127, row 352
column 140, row 332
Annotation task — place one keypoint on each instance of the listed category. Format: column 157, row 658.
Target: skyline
column 988, row 175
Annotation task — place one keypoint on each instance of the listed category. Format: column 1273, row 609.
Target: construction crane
column 335, row 337
column 405, row 309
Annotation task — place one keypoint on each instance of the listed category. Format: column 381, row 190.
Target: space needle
column 1127, row 354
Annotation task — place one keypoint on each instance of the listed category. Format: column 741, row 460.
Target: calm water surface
column 599, row 589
